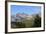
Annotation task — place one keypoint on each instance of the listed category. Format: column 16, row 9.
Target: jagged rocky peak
column 21, row 14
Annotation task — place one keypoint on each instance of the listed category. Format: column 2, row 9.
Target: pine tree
column 37, row 21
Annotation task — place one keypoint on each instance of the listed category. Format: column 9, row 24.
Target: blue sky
column 25, row 9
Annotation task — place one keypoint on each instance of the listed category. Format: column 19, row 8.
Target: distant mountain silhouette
column 20, row 16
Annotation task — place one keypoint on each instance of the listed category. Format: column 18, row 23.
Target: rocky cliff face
column 20, row 17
